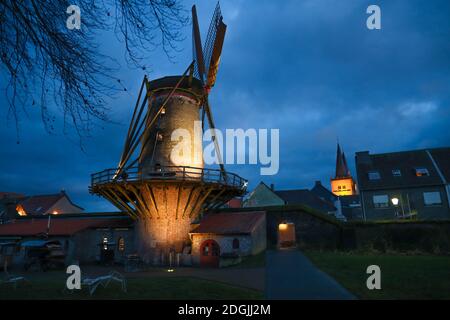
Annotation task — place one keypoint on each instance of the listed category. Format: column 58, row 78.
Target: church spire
column 341, row 164
column 342, row 184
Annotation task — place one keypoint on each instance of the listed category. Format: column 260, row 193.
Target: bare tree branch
column 45, row 63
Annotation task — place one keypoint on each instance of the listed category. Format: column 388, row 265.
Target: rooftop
column 230, row 223
column 405, row 164
column 59, row 227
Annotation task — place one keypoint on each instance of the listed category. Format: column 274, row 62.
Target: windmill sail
column 213, row 47
column 199, row 67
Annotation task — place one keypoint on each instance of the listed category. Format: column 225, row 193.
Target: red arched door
column 209, row 254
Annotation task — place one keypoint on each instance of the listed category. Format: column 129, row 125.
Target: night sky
column 310, row 68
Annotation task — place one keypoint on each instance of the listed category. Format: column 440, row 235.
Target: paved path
column 290, row 275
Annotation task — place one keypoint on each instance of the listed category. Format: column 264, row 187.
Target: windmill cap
column 195, row 86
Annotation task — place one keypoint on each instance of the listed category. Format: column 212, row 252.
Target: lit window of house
column 432, row 198
column 373, row 175
column 422, row 172
column 381, row 201
column 396, row 173
column 121, row 244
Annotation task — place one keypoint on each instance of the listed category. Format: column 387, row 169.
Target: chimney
column 272, row 187
column 318, row 183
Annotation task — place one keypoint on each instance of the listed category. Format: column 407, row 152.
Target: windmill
column 165, row 195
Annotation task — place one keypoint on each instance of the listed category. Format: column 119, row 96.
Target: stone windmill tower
column 163, row 188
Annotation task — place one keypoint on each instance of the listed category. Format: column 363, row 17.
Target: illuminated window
column 373, row 175
column 205, row 250
column 396, row 173
column 381, row 201
column 105, row 243
column 121, row 244
column 235, row 243
column 432, row 198
column 20, row 210
column 422, row 172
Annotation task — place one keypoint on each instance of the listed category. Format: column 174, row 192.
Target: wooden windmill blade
column 197, row 46
column 213, row 47
column 215, row 56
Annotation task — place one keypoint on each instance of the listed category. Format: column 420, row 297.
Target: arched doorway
column 209, row 254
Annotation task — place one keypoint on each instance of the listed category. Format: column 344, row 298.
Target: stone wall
column 314, row 230
column 85, row 246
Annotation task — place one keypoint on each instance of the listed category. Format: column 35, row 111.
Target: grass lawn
column 138, row 288
column 402, row 276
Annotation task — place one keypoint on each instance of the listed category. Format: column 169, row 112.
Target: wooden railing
column 169, row 173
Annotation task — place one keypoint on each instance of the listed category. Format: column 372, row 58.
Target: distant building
column 263, row 196
column 342, row 184
column 85, row 238
column 404, row 185
column 59, row 203
column 13, row 205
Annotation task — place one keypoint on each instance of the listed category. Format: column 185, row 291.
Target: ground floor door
column 209, row 254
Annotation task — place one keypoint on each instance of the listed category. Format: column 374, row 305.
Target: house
column 223, row 238
column 404, row 185
column 264, row 196
column 85, row 238
column 59, row 203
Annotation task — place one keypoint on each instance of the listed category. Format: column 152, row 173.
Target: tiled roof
column 406, row 162
column 230, row 223
column 58, row 227
column 307, row 198
column 40, row 204
column 322, row 192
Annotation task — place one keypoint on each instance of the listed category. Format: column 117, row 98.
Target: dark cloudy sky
column 308, row 67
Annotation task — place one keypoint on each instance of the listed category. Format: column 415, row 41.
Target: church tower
column 342, row 184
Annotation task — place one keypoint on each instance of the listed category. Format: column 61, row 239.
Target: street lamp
column 395, row 201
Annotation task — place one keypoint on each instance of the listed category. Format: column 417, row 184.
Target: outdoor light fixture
column 170, row 270
column 394, row 201
column 282, row 226
column 55, row 212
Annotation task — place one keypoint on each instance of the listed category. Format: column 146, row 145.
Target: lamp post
column 395, row 201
